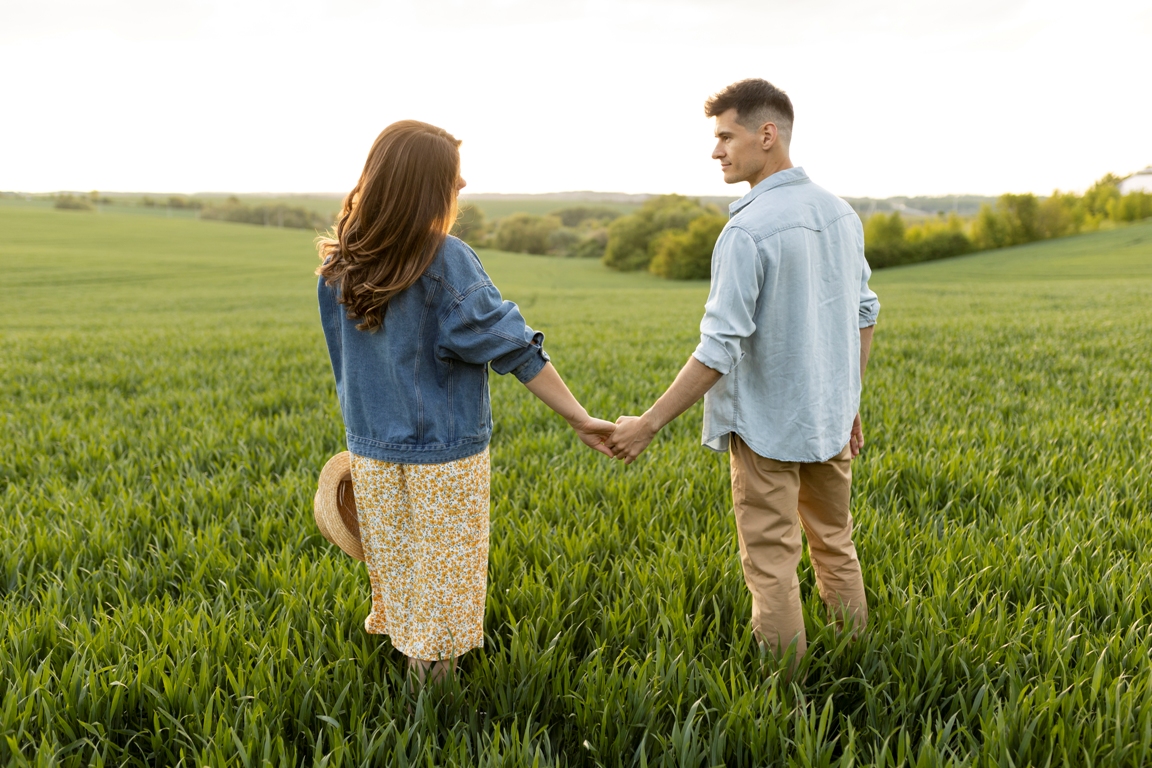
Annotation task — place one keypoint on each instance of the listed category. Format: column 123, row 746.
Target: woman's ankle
column 433, row 671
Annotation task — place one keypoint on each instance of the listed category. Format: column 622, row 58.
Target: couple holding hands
column 413, row 323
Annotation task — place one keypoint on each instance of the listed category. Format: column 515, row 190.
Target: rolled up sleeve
column 483, row 328
column 869, row 303
column 737, row 274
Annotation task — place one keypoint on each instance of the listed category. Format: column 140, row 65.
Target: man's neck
column 774, row 165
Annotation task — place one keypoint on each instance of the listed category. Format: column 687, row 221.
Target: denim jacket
column 415, row 391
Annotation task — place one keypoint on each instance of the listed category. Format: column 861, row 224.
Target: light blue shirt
column 782, row 321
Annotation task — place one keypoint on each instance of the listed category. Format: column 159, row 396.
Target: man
column 783, row 346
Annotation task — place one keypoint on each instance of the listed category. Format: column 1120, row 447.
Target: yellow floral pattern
column 424, row 528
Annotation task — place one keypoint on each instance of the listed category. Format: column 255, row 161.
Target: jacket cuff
column 713, row 354
column 527, row 363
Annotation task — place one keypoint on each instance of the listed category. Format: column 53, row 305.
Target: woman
column 412, row 323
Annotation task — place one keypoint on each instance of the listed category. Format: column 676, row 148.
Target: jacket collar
column 780, row 178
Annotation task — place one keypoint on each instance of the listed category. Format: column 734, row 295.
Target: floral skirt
column 424, row 528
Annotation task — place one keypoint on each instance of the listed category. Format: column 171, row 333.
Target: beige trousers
column 773, row 500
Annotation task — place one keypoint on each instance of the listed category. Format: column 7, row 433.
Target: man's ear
column 768, row 136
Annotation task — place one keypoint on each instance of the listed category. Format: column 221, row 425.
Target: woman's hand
column 594, row 433
column 553, row 392
column 633, row 434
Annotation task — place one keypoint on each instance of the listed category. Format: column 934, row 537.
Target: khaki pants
column 773, row 500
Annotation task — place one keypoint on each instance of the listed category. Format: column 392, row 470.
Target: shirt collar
column 778, row 179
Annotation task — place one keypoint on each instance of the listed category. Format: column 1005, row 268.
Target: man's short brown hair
column 756, row 102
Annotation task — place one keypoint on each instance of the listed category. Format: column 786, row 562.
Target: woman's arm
column 553, row 392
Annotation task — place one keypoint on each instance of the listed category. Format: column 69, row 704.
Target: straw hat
column 335, row 506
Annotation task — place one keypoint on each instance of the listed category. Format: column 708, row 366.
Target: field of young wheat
column 165, row 598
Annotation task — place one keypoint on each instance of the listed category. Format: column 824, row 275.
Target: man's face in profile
column 740, row 151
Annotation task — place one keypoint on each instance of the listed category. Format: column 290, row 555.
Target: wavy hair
column 394, row 220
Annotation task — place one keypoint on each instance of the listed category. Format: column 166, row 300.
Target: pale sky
column 893, row 97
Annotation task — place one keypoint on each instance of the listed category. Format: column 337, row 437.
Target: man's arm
column 856, row 440
column 865, row 348
column 869, row 310
column 729, row 318
column 634, row 433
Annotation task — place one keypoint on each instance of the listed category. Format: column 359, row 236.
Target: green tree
column 883, row 230
column 73, row 203
column 525, row 233
column 179, row 201
column 1015, row 220
column 563, row 240
column 1019, row 216
column 470, row 225
column 989, row 230
column 266, row 215
column 1134, row 206
column 592, row 246
column 686, row 254
column 577, row 215
column 884, row 244
column 1099, row 195
column 630, row 238
column 1059, row 215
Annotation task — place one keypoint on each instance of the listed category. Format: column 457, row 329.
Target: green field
column 166, row 404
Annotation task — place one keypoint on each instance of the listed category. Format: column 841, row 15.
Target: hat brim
column 335, row 506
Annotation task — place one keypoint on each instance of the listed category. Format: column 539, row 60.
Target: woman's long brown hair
column 394, row 220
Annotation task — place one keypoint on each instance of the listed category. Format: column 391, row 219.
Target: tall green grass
column 166, row 403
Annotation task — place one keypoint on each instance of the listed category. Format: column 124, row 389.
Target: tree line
column 672, row 235
column 1013, row 220
column 575, row 232
column 232, row 209
column 275, row 215
column 669, row 235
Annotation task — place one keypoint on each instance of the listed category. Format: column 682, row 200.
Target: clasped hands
column 624, row 440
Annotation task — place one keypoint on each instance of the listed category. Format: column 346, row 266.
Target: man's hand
column 856, row 441
column 595, row 433
column 632, row 436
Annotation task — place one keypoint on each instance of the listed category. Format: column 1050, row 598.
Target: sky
column 892, row 97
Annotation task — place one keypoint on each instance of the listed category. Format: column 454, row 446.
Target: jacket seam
column 416, row 369
column 451, row 422
column 456, row 295
column 481, row 331
column 460, row 298
column 475, row 287
column 340, row 327
column 758, row 238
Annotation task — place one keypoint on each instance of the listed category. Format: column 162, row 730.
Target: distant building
column 1137, row 182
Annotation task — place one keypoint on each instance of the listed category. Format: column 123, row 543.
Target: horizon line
column 464, row 195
